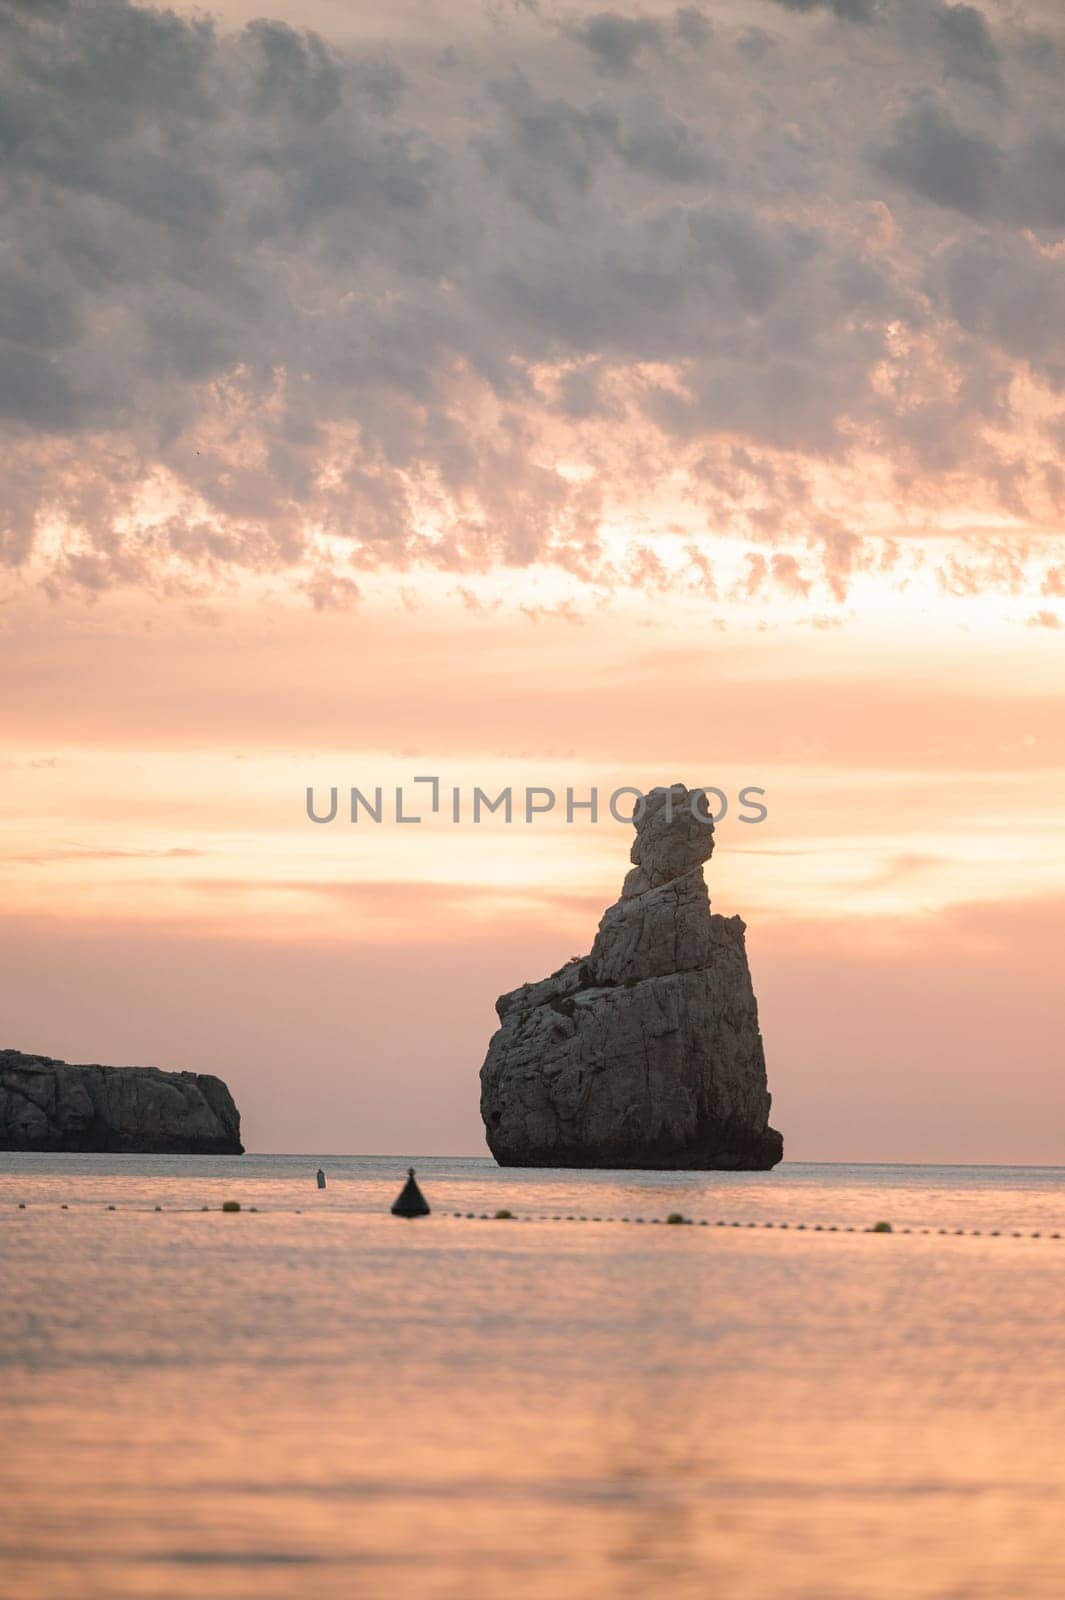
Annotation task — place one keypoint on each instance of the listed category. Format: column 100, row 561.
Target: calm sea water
column 319, row 1400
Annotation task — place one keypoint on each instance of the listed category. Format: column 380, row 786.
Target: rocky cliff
column 52, row 1105
column 647, row 1051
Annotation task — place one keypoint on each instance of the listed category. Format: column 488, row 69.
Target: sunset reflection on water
column 335, row 1402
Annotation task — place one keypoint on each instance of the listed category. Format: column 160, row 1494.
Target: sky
column 534, row 394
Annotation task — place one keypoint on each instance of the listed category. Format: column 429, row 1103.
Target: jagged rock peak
column 647, row 1051
column 674, row 835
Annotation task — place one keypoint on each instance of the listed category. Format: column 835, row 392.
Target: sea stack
column 646, row 1053
column 54, row 1105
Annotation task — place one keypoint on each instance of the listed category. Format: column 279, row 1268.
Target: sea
column 311, row 1399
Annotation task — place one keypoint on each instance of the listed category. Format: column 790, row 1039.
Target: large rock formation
column 52, row 1105
column 645, row 1053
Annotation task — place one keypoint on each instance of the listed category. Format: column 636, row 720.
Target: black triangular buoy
column 411, row 1202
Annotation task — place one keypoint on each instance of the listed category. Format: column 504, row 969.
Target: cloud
column 331, row 591
column 271, row 306
column 547, row 150
column 400, row 899
column 845, row 10
column 1006, row 292
column 929, row 152
column 616, row 42
column 90, row 853
column 692, row 25
column 970, row 51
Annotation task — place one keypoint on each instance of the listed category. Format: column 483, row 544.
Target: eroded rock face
column 53, row 1105
column 646, row 1052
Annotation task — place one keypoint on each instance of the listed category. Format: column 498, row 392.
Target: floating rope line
column 510, row 1216
column 796, row 1227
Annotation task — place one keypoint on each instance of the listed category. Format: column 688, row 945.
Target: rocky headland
column 54, row 1105
column 647, row 1051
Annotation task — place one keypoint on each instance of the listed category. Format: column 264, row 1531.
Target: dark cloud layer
column 962, row 168
column 294, row 291
column 845, row 10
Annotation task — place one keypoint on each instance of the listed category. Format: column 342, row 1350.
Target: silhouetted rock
column 411, row 1201
column 54, row 1105
column 647, row 1051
